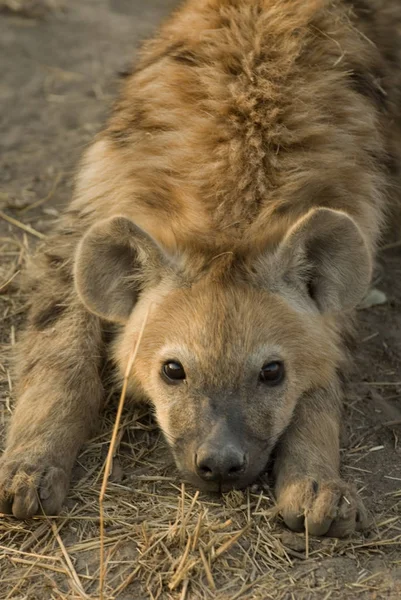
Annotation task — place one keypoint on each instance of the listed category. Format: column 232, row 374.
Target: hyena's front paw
column 331, row 507
column 30, row 485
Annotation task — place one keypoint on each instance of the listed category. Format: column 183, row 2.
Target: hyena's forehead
column 221, row 324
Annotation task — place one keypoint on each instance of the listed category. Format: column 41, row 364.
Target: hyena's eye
column 173, row 371
column 272, row 373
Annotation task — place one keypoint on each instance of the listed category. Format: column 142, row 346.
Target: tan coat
column 240, row 190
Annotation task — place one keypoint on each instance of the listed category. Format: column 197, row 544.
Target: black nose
column 219, row 464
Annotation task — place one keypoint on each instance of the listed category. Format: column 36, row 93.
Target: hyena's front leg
column 59, row 389
column 308, row 484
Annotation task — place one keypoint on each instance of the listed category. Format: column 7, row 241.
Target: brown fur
column 240, row 190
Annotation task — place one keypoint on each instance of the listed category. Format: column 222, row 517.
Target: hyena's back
column 252, row 112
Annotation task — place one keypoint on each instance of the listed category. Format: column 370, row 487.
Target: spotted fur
column 237, row 197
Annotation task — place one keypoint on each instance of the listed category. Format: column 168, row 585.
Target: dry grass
column 110, row 454
column 163, row 539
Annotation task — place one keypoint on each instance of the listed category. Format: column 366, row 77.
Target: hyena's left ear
column 325, row 255
column 115, row 260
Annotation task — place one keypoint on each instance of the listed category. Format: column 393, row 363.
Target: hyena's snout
column 220, row 461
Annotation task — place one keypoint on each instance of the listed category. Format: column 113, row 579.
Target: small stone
column 374, row 297
column 293, row 541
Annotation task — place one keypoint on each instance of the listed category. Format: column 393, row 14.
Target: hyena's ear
column 115, row 260
column 325, row 255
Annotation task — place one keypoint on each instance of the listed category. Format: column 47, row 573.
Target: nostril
column 238, row 467
column 205, row 469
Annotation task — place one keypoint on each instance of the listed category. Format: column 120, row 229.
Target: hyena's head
column 231, row 344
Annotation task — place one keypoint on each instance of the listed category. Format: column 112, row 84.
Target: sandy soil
column 58, row 78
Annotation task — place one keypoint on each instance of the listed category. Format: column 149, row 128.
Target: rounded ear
column 114, row 261
column 326, row 252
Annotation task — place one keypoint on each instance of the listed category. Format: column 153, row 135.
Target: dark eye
column 272, row 373
column 173, row 371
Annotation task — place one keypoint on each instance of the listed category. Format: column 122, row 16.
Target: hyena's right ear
column 325, row 257
column 115, row 260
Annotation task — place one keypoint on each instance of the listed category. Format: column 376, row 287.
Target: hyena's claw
column 29, row 486
column 330, row 507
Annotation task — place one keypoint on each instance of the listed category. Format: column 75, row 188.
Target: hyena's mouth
column 222, row 487
column 219, row 485
column 216, row 487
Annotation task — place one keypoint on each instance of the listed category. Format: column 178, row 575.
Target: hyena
column 236, row 198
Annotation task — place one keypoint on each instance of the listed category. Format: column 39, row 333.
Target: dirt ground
column 163, row 540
